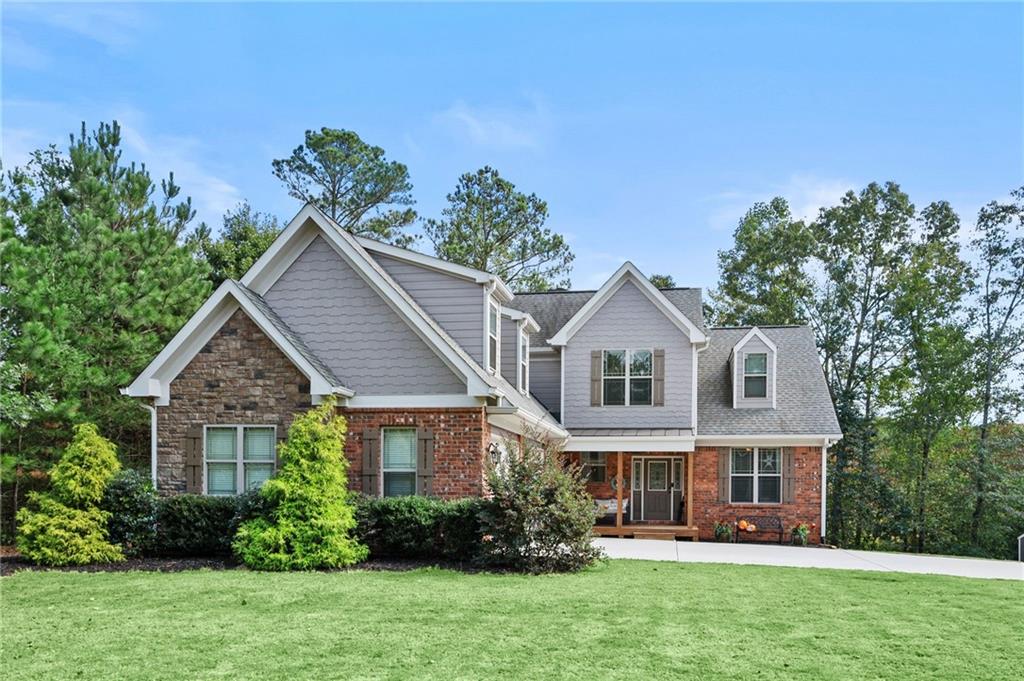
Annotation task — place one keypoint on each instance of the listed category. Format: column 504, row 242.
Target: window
column 238, row 458
column 399, row 461
column 493, row 338
column 594, row 466
column 524, row 362
column 755, row 476
column 755, row 374
column 627, row 376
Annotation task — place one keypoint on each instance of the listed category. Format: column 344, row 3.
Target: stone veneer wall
column 239, row 377
column 461, row 436
column 806, row 509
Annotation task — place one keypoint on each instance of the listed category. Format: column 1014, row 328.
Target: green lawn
column 621, row 620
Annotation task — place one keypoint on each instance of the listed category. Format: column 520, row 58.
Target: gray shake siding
column 509, row 337
column 629, row 321
column 755, row 344
column 454, row 303
column 545, row 380
column 353, row 330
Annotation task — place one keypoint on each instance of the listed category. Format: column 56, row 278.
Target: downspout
column 824, row 486
column 152, row 441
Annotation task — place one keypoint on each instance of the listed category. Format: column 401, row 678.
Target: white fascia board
column 628, row 272
column 682, row 443
column 285, row 249
column 542, row 352
column 772, row 440
column 751, row 334
column 519, row 316
column 412, row 401
column 155, row 379
column 521, row 422
column 435, row 263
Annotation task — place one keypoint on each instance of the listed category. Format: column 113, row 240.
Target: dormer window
column 524, row 361
column 493, row 338
column 755, row 375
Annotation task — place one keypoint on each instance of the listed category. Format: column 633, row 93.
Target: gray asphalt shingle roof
column 803, row 404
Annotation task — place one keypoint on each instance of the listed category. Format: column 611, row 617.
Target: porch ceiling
column 630, row 440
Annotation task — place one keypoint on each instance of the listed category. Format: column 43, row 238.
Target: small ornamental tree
column 65, row 526
column 539, row 517
column 311, row 521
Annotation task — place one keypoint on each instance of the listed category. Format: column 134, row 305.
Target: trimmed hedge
column 420, row 527
column 132, row 504
column 194, row 525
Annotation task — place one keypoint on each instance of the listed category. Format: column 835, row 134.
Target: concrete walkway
column 795, row 556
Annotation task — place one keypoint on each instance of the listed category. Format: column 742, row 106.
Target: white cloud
column 19, row 53
column 498, row 128
column 115, row 26
column 805, row 193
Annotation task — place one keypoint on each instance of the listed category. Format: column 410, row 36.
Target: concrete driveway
column 795, row 556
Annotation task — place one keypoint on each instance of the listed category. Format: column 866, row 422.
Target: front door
column 657, row 490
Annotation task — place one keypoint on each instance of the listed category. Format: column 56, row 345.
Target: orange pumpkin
column 743, row 524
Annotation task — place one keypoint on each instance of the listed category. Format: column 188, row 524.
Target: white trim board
column 640, row 443
column 627, row 273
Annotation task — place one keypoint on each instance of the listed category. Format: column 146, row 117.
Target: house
column 434, row 365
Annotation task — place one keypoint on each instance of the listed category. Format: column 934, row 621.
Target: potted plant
column 800, row 533
column 723, row 531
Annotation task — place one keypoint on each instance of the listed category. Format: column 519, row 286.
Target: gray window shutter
column 788, row 475
column 192, row 444
column 371, row 461
column 723, row 475
column 595, row 378
column 658, row 384
column 425, row 462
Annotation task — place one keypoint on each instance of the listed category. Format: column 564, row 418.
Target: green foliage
column 96, row 281
column 662, row 281
column 312, row 520
column 539, row 517
column 490, row 226
column 420, row 527
column 352, row 182
column 246, row 234
column 194, row 525
column 799, row 534
column 65, row 526
column 132, row 504
column 51, row 533
column 723, row 531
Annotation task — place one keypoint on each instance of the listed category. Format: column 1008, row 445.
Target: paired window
column 493, row 338
column 594, row 466
column 399, row 461
column 755, row 374
column 524, row 362
column 755, row 475
column 627, row 377
column 238, row 458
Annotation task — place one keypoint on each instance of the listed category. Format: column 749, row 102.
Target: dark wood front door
column 657, row 490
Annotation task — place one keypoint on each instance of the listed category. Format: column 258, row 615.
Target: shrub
column 249, row 505
column 539, row 517
column 723, row 531
column 194, row 525
column 65, row 526
column 311, row 522
column 420, row 527
column 132, row 504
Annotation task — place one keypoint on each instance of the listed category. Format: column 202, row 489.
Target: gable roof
column 755, row 333
column 155, row 379
column 803, row 404
column 553, row 309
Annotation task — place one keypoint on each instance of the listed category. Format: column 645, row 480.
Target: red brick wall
column 807, row 508
column 461, row 436
column 239, row 377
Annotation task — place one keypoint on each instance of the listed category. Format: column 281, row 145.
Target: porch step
column 653, row 533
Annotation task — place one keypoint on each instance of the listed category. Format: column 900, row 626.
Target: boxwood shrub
column 420, row 527
column 194, row 525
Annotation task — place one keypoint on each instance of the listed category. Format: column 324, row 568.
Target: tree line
column 921, row 343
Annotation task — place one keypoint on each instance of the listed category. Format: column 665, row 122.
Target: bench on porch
column 763, row 523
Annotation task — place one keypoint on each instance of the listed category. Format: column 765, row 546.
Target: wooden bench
column 763, row 523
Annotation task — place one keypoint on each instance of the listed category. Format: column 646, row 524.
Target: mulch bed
column 11, row 562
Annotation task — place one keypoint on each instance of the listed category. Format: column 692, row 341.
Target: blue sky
column 648, row 129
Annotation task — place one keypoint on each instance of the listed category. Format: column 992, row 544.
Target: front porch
column 645, row 495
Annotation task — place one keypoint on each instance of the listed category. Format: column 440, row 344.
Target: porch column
column 689, row 488
column 618, row 490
